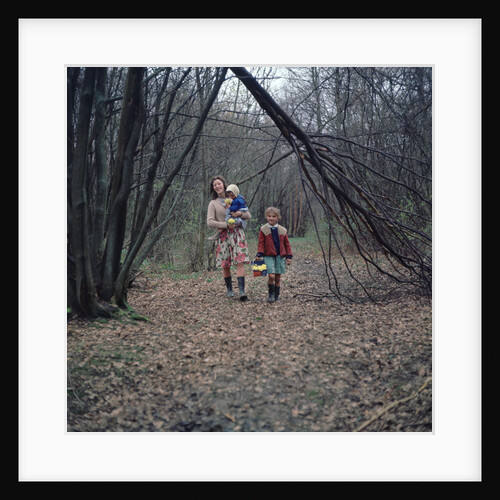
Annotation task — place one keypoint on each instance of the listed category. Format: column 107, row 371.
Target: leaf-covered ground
column 205, row 363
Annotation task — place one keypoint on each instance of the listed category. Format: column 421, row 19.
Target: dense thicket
column 344, row 152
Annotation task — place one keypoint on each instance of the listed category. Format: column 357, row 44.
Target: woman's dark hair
column 211, row 187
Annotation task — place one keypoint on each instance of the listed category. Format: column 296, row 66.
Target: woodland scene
column 154, row 344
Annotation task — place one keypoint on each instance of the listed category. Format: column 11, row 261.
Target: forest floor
column 206, row 363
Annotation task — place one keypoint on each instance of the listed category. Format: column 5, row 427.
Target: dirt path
column 207, row 363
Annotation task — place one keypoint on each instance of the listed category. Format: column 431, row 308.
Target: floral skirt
column 231, row 248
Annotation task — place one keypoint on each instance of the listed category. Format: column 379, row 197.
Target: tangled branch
column 353, row 194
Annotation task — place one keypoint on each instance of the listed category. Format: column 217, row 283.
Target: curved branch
column 390, row 234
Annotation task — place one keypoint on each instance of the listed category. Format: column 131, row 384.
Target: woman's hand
column 236, row 214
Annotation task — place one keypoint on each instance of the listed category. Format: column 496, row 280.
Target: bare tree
column 373, row 221
column 135, row 144
column 102, row 246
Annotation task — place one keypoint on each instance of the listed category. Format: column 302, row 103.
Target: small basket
column 259, row 268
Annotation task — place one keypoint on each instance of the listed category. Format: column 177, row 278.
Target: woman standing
column 231, row 248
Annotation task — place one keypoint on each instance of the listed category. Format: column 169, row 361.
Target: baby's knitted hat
column 234, row 189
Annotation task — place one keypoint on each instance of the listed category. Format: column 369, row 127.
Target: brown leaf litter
column 205, row 363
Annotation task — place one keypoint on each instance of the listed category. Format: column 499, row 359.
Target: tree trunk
column 131, row 121
column 85, row 296
column 199, row 253
column 72, row 85
column 99, row 216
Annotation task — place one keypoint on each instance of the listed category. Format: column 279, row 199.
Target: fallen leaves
column 206, row 363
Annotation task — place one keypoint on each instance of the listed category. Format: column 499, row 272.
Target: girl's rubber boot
column 271, row 297
column 241, row 286
column 229, row 286
column 277, row 293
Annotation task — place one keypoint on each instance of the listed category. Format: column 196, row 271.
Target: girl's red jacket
column 266, row 244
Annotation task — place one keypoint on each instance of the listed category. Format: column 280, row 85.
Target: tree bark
column 131, row 120
column 99, row 215
column 85, row 296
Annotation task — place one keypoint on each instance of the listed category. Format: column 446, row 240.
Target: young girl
column 275, row 248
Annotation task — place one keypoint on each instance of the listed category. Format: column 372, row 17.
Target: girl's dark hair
column 211, row 190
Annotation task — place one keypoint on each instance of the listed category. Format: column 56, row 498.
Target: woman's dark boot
column 229, row 286
column 277, row 293
column 271, row 292
column 241, row 286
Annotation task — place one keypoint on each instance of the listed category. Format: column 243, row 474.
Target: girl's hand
column 236, row 214
column 288, row 262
